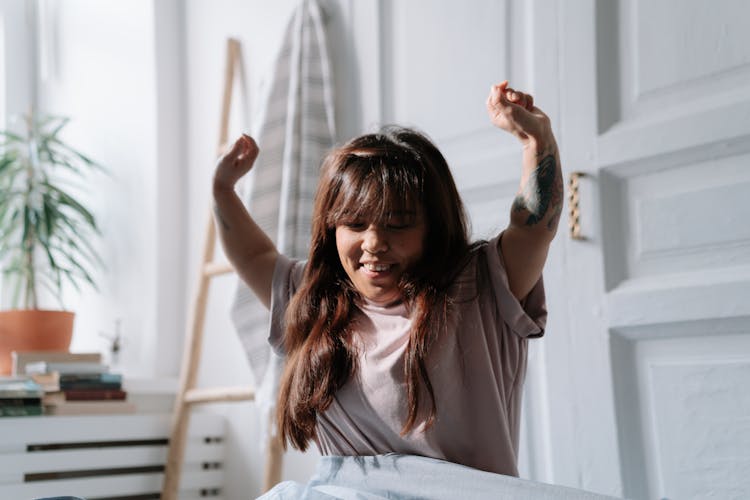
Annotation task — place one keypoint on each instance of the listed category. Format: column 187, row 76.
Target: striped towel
column 297, row 129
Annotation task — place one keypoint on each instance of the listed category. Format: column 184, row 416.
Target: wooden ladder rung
column 213, row 269
column 217, row 394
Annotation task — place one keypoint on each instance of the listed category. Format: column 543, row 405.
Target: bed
column 394, row 477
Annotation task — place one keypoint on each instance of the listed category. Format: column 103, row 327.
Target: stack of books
column 20, row 397
column 75, row 384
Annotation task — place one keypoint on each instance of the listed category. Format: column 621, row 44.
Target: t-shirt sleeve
column 526, row 318
column 287, row 275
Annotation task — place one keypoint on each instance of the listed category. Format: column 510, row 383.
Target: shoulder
column 469, row 273
column 287, row 274
column 484, row 281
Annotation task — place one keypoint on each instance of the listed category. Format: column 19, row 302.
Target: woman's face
column 375, row 254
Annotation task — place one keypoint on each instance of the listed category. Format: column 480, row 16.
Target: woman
column 400, row 335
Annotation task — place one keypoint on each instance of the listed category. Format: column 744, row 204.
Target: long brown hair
column 369, row 175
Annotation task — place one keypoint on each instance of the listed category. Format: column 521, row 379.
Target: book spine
column 94, row 395
column 20, row 401
column 91, row 408
column 102, row 381
column 70, row 368
column 20, row 393
column 90, row 386
column 20, row 411
column 91, row 377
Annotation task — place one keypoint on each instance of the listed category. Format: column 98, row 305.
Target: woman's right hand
column 235, row 163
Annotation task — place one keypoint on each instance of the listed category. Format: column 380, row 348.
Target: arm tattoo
column 542, row 193
column 221, row 220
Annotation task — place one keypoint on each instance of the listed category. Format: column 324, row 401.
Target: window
column 3, row 72
column 17, row 67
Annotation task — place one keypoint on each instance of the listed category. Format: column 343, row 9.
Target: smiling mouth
column 376, row 268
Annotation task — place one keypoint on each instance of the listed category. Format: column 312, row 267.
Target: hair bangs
column 373, row 187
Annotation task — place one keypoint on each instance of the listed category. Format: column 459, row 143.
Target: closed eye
column 355, row 225
column 400, row 222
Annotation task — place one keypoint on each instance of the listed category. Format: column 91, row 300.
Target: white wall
column 100, row 68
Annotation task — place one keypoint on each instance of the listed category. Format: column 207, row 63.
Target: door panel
column 690, row 215
column 425, row 41
column 438, row 63
column 637, row 388
column 664, row 275
column 683, row 409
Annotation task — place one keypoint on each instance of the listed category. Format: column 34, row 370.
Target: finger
column 250, row 147
column 520, row 98
column 239, row 145
column 249, row 152
column 249, row 142
column 509, row 95
column 232, row 150
column 526, row 101
column 497, row 96
column 498, row 89
column 514, row 101
column 501, row 87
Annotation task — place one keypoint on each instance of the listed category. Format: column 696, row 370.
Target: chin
column 383, row 299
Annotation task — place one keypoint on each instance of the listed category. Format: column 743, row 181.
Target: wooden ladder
column 187, row 394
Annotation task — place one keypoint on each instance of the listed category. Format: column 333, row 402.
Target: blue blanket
column 396, row 477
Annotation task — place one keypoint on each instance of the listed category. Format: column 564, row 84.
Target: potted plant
column 45, row 235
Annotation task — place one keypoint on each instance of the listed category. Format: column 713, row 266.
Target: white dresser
column 100, row 457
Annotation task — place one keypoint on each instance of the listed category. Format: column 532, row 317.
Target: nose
column 374, row 240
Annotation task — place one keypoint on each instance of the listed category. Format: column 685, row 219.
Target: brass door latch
column 575, row 211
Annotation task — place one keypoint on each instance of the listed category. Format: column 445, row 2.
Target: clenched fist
column 514, row 112
column 235, row 163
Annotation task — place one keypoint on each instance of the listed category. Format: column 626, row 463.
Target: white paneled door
column 640, row 386
column 655, row 109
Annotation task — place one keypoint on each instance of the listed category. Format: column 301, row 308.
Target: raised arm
column 536, row 209
column 248, row 248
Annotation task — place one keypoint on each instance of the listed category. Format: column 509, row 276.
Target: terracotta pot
column 33, row 330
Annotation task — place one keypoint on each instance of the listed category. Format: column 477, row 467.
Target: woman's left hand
column 514, row 112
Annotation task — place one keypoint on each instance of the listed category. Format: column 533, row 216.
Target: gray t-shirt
column 476, row 368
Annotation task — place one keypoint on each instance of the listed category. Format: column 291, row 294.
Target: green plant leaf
column 74, row 237
column 80, row 156
column 11, row 136
column 65, row 251
column 67, row 200
column 78, row 271
column 46, row 237
column 7, row 162
column 54, row 268
column 61, row 122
